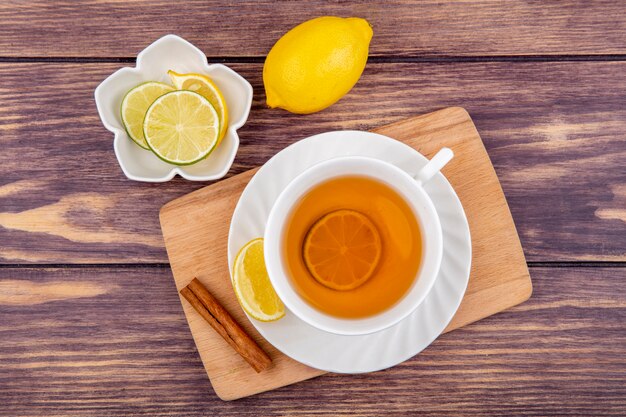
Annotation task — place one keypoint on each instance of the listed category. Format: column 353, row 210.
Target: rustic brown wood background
column 90, row 323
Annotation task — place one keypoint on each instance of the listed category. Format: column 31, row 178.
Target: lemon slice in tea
column 135, row 104
column 181, row 127
column 252, row 284
column 342, row 249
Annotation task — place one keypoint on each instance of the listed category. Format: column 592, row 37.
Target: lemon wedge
column 204, row 86
column 181, row 127
column 252, row 284
column 134, row 106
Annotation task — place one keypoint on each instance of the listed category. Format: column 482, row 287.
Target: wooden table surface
column 90, row 322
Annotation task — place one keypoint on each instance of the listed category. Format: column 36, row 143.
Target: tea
column 352, row 247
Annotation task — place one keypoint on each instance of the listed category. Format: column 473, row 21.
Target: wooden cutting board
column 195, row 229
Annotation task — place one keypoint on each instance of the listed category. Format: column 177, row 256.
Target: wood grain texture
column 222, row 322
column 554, row 131
column 561, row 353
column 110, row 28
column 74, row 341
column 494, row 285
column 197, row 247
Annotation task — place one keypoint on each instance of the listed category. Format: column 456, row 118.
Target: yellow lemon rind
column 179, row 79
column 244, row 304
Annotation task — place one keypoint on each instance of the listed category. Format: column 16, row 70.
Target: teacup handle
column 434, row 166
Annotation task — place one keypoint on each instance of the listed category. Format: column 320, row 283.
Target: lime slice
column 134, row 107
column 181, row 127
column 204, row 86
column 252, row 284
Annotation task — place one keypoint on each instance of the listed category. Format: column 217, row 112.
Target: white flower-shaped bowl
column 172, row 53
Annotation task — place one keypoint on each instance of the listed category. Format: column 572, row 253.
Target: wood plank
column 110, row 28
column 94, row 341
column 554, row 131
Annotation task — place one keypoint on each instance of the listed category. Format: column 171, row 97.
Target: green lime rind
column 186, row 163
column 138, row 141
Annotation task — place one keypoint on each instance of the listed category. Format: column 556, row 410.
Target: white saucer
column 355, row 354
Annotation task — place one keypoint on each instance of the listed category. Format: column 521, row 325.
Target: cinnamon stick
column 223, row 323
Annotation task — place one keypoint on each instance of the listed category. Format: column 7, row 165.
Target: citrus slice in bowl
column 252, row 284
column 135, row 104
column 342, row 249
column 181, row 127
column 204, row 86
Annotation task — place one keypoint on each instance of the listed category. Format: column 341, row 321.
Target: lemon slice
column 181, row 127
column 342, row 249
column 252, row 284
column 134, row 106
column 204, row 86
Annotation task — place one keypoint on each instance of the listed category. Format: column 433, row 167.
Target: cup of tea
column 354, row 244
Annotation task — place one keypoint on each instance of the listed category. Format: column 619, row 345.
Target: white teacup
column 410, row 188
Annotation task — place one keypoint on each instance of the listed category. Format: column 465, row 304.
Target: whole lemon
column 316, row 63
